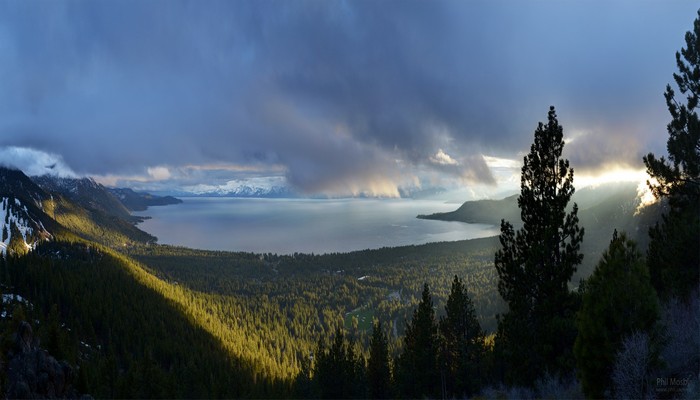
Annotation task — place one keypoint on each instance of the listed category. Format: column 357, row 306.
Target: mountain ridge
column 67, row 207
column 602, row 210
column 24, row 222
column 140, row 201
column 85, row 192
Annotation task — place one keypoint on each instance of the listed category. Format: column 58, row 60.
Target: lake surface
column 285, row 226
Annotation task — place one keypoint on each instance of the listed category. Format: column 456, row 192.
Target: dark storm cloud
column 354, row 96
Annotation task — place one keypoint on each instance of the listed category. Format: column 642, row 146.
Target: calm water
column 286, row 226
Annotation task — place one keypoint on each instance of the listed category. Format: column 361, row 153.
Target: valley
column 264, row 312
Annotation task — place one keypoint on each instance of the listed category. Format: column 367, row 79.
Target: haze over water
column 286, row 226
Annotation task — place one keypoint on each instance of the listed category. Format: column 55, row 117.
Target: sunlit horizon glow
column 612, row 175
column 615, row 175
column 645, row 195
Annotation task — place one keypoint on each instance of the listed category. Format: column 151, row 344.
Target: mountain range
column 34, row 209
column 260, row 187
column 271, row 188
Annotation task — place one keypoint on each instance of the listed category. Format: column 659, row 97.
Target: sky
column 336, row 98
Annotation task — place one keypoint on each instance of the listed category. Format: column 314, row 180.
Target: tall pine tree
column 618, row 301
column 535, row 264
column 339, row 372
column 673, row 258
column 463, row 349
column 378, row 370
column 417, row 373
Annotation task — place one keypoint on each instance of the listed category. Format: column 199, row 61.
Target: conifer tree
column 303, row 382
column 418, row 374
column 378, row 370
column 618, row 301
column 338, row 371
column 536, row 263
column 672, row 257
column 463, row 343
column 328, row 369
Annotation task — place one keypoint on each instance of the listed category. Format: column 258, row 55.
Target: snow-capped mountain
column 50, row 207
column 274, row 187
column 20, row 230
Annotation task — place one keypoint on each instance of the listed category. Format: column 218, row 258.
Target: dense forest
column 493, row 318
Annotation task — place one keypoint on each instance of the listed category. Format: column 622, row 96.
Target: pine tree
column 418, row 374
column 673, row 259
column 462, row 342
column 536, row 263
column 378, row 370
column 618, row 301
column 338, row 372
column 303, row 383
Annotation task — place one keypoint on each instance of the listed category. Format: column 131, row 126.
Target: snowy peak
column 20, row 231
column 273, row 187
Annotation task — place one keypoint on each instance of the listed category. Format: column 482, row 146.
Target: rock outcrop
column 32, row 373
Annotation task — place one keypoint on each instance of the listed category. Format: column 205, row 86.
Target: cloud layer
column 34, row 162
column 359, row 97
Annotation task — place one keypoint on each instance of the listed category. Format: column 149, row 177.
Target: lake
column 286, row 226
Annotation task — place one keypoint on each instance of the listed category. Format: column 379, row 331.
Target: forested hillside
column 288, row 302
column 84, row 192
column 127, row 339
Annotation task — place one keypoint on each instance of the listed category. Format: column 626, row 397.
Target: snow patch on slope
column 14, row 218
